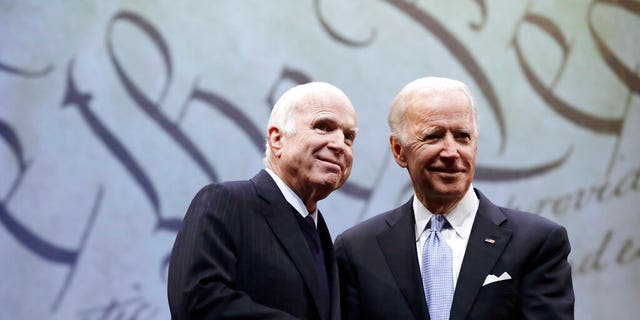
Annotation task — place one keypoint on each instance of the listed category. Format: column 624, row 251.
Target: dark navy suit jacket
column 240, row 254
column 380, row 276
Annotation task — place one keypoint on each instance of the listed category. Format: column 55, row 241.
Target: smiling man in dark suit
column 260, row 249
column 449, row 253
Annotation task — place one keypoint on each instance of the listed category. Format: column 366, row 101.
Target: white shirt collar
column 291, row 197
column 460, row 218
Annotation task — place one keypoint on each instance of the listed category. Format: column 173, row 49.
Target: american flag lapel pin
column 489, row 240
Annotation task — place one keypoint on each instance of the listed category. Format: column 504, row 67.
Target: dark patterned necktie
column 318, row 255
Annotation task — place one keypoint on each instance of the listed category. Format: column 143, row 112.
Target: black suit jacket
column 380, row 276
column 240, row 254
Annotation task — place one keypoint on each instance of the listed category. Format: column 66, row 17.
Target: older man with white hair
column 260, row 249
column 449, row 253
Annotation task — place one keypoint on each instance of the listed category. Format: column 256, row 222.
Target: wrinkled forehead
column 452, row 106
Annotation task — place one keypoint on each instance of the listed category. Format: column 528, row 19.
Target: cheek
column 349, row 157
column 471, row 150
column 417, row 168
column 469, row 156
column 423, row 157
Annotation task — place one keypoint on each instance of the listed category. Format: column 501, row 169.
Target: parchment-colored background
column 113, row 114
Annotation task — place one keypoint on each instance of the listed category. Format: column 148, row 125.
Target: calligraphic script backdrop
column 113, row 114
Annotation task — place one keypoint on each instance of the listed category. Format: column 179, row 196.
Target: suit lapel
column 398, row 246
column 480, row 256
column 280, row 217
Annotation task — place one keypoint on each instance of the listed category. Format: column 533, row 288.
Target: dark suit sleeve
column 349, row 297
column 202, row 270
column 547, row 290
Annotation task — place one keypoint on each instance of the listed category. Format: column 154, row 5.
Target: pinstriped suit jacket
column 240, row 254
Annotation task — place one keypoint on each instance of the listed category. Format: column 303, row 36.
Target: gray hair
column 284, row 110
column 403, row 99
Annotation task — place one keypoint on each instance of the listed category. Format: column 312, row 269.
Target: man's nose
column 337, row 141
column 449, row 147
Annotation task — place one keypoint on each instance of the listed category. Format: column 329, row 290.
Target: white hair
column 284, row 110
column 402, row 101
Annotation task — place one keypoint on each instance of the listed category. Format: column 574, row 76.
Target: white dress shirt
column 461, row 220
column 292, row 198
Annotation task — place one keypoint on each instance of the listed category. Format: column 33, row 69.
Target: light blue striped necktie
column 437, row 275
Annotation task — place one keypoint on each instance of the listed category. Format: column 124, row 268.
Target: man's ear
column 274, row 139
column 398, row 151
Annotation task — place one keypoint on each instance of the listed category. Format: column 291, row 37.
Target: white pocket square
column 491, row 278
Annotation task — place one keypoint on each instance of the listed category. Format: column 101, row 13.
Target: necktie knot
column 310, row 221
column 437, row 222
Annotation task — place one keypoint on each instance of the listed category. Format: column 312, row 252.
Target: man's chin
column 452, row 195
column 450, row 191
column 330, row 181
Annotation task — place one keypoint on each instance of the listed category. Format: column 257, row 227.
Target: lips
column 331, row 161
column 448, row 173
column 446, row 170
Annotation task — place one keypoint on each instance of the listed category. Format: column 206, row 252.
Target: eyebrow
column 434, row 129
column 332, row 120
